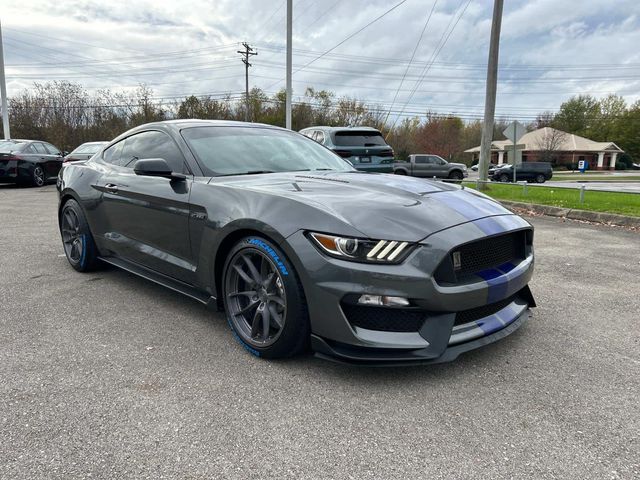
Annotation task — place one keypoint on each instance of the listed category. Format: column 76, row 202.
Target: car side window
column 320, row 136
column 51, row 149
column 421, row 159
column 153, row 144
column 30, row 149
column 40, row 148
column 113, row 154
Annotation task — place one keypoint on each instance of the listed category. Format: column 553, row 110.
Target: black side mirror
column 156, row 167
column 64, row 153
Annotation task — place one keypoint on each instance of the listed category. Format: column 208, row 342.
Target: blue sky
column 550, row 49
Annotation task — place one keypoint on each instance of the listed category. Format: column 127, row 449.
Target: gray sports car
column 300, row 249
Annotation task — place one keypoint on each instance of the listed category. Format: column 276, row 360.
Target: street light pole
column 490, row 97
column 3, row 93
column 289, row 63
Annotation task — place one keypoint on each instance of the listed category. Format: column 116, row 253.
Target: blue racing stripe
column 490, row 324
column 506, row 267
column 497, row 282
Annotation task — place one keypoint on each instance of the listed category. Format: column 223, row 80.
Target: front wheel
column 263, row 300
column 456, row 175
column 540, row 178
column 400, row 172
column 504, row 178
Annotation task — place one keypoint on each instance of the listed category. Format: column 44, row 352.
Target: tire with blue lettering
column 79, row 246
column 263, row 300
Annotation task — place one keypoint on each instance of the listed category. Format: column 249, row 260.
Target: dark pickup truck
column 430, row 166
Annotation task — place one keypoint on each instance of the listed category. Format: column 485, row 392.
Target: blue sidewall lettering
column 84, row 250
column 241, row 342
column 259, row 243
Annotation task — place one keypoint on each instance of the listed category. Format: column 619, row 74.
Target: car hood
column 381, row 206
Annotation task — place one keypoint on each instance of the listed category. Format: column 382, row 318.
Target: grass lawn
column 612, row 202
column 570, row 177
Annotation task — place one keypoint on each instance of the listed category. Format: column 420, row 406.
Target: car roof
column 193, row 122
column 339, row 129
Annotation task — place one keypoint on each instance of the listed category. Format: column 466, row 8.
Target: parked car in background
column 84, row 151
column 538, row 172
column 474, row 167
column 421, row 165
column 494, row 167
column 364, row 147
column 29, row 162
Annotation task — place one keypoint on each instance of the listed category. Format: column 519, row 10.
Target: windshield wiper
column 252, row 172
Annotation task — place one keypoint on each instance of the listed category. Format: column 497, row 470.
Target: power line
column 413, row 54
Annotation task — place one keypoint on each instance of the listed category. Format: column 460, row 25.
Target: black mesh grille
column 477, row 313
column 383, row 319
column 489, row 252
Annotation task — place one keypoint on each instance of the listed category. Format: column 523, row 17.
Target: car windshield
column 88, row 148
column 246, row 150
column 8, row 147
column 355, row 138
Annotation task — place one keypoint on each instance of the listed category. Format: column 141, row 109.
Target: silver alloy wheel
column 256, row 298
column 71, row 237
column 38, row 176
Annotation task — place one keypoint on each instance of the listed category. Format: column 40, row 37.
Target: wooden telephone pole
column 246, row 54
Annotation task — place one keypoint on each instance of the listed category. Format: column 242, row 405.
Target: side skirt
column 165, row 281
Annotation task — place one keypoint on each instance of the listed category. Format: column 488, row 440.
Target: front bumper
column 328, row 282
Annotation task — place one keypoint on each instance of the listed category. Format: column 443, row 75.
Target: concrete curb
column 573, row 214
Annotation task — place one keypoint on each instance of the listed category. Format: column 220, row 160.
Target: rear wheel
column 400, row 172
column 504, row 178
column 456, row 175
column 263, row 300
column 79, row 247
column 37, row 177
column 540, row 178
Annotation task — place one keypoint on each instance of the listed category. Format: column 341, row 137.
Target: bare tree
column 549, row 144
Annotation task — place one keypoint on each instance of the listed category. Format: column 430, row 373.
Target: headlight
column 362, row 250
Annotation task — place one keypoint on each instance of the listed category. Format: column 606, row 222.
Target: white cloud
column 549, row 49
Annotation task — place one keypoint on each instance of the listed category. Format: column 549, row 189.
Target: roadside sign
column 582, row 165
column 514, row 132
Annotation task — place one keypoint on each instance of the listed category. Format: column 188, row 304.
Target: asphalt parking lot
column 106, row 375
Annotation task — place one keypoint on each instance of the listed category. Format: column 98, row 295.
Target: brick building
column 564, row 148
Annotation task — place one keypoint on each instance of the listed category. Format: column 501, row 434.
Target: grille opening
column 467, row 316
column 384, row 319
column 474, row 257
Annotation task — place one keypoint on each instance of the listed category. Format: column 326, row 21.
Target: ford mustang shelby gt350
column 297, row 247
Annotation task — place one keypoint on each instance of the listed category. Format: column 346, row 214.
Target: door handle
column 111, row 188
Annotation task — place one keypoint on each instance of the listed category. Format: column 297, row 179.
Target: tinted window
column 8, row 147
column 355, row 138
column 30, row 149
column 421, row 159
column 113, row 154
column 40, row 148
column 437, row 160
column 51, row 149
column 237, row 150
column 88, row 148
column 152, row 145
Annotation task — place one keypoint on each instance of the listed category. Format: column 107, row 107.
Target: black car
column 84, row 151
column 299, row 248
column 29, row 162
column 538, row 172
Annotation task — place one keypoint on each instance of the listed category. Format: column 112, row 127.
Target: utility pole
column 490, row 97
column 289, row 63
column 246, row 54
column 3, row 93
